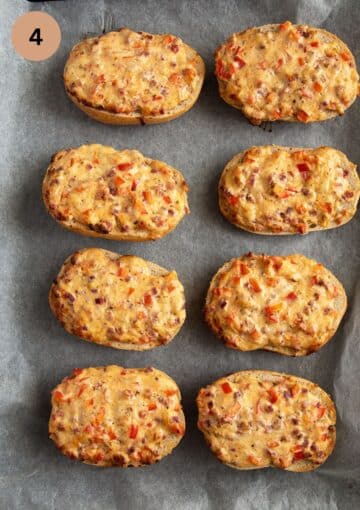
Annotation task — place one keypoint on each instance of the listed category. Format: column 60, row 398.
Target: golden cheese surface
column 123, row 302
column 99, row 191
column 134, row 73
column 256, row 419
column 115, row 416
column 280, row 190
column 291, row 305
column 286, row 72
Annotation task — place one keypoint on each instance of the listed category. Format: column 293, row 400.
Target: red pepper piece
column 345, row 56
column 226, row 387
column 119, row 181
column 148, row 300
column 244, row 269
column 170, row 393
column 99, row 457
column 240, row 62
column 291, row 296
column 77, row 371
column 314, row 44
column 303, row 167
column 112, row 434
column 124, row 166
column 58, row 395
column 254, row 285
column 284, row 26
column 82, row 389
column 302, row 116
column 167, row 199
column 301, row 228
column 233, row 200
column 321, row 411
column 273, row 396
column 298, row 452
column 133, row 431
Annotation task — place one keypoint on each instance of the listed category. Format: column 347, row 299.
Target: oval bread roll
column 281, row 190
column 115, row 416
column 101, row 192
column 291, row 305
column 286, row 72
column 129, row 77
column 119, row 301
column 257, row 419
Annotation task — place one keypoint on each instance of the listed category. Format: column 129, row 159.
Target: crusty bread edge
column 301, row 466
column 255, row 121
column 107, row 117
column 155, row 269
column 278, row 350
column 240, row 155
column 119, row 236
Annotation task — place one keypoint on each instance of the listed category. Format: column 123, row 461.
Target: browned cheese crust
column 291, row 305
column 129, row 77
column 286, row 72
column 115, row 416
column 282, row 190
column 256, row 419
column 123, row 302
column 98, row 191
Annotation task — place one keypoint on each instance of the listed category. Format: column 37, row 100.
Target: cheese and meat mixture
column 131, row 72
column 97, row 190
column 123, row 302
column 291, row 305
column 115, row 416
column 286, row 72
column 257, row 419
column 278, row 190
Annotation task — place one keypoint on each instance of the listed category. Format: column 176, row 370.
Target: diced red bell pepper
column 226, row 387
column 133, row 431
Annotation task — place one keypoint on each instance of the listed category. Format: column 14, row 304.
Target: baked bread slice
column 128, row 77
column 118, row 301
column 286, row 72
column 290, row 305
column 256, row 419
column 288, row 190
column 98, row 191
column 115, row 416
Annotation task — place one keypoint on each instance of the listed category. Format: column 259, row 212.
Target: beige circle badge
column 36, row 35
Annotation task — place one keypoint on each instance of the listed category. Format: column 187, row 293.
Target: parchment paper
column 38, row 120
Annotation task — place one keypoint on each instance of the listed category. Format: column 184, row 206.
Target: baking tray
column 38, row 120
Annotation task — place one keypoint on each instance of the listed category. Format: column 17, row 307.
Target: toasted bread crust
column 122, row 302
column 98, row 191
column 257, row 418
column 275, row 190
column 287, row 72
column 290, row 305
column 115, row 416
column 121, row 94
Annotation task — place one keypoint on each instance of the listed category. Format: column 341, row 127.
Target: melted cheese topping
column 272, row 189
column 114, row 416
column 291, row 304
column 287, row 72
column 114, row 194
column 123, row 302
column 259, row 419
column 133, row 73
